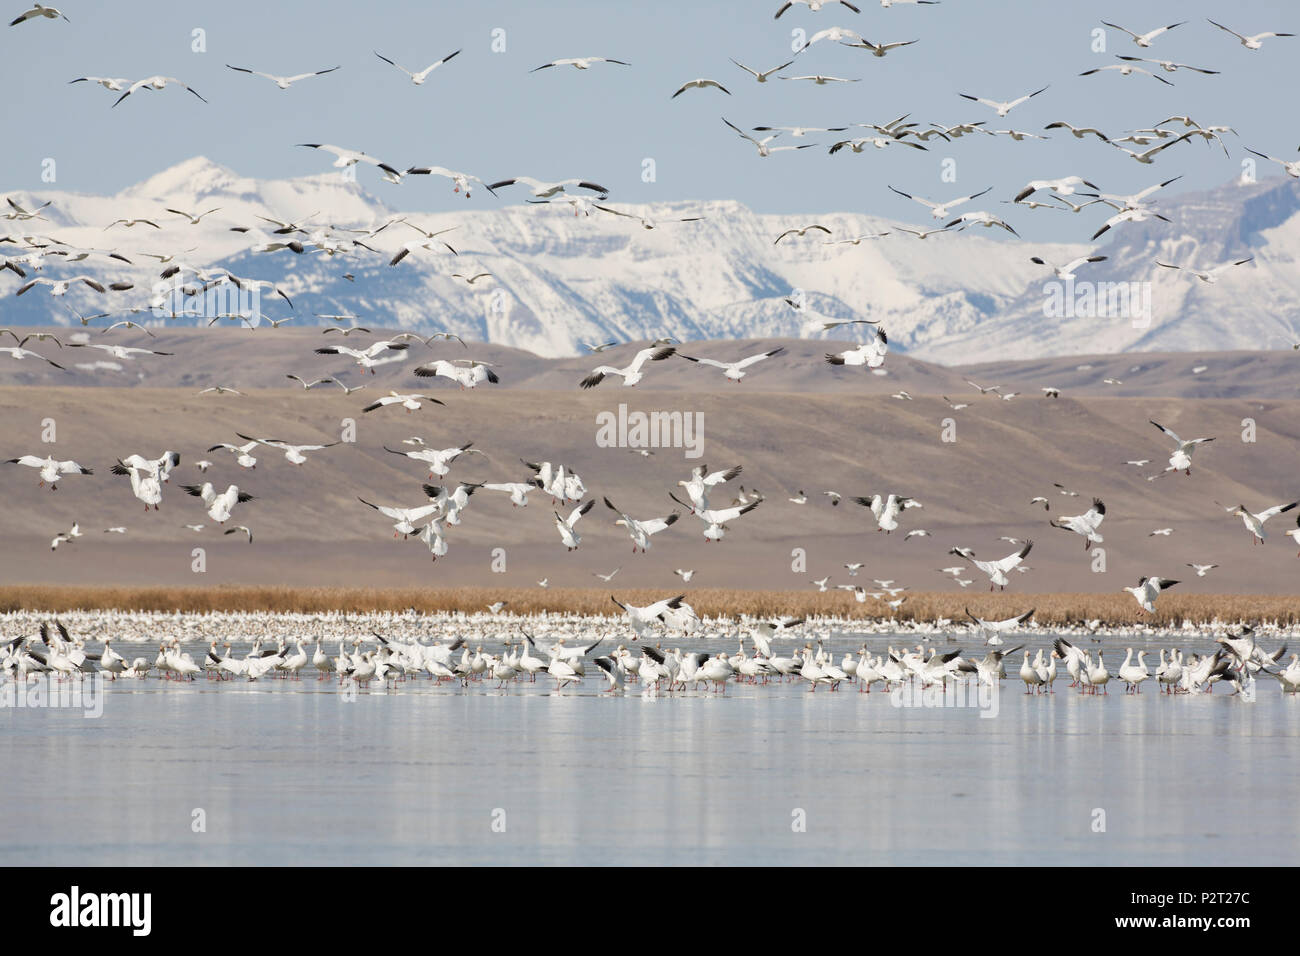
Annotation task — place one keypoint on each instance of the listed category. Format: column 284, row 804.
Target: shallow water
column 295, row 772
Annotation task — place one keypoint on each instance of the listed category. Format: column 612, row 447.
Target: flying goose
column 417, row 78
column 762, row 144
column 762, row 76
column 870, row 354
column 51, row 470
column 1208, row 275
column 219, row 505
column 461, row 182
column 632, row 373
column 1292, row 167
column 699, row 84
column 465, row 372
column 49, row 13
column 1147, row 590
column 579, row 62
column 886, row 509
column 1085, row 524
column 1169, row 66
column 545, row 190
column 155, row 83
column 410, row 401
column 292, row 453
column 1181, row 458
column 813, row 6
column 996, row 570
column 371, row 356
column 283, row 82
column 1249, row 42
column 734, row 371
column 701, row 480
column 715, row 519
column 1144, row 39
column 641, row 531
column 1067, row 271
column 1254, row 522
column 940, row 210
column 1002, row 108
column 343, row 158
column 1125, row 69
column 439, row 460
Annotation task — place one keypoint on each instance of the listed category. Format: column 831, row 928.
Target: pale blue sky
column 486, row 114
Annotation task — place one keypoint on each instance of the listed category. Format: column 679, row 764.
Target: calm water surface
column 292, row 772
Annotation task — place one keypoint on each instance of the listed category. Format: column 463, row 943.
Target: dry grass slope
column 1050, row 609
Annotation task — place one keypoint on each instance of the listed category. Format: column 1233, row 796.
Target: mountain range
column 563, row 276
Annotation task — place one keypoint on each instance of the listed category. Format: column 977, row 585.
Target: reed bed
column 922, row 606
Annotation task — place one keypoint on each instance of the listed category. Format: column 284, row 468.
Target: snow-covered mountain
column 561, row 279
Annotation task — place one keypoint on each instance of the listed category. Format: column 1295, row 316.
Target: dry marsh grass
column 1050, row 609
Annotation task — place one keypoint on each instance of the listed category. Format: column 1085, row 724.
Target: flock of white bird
column 444, row 505
column 558, row 647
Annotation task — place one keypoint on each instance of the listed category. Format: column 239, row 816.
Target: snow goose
column 640, row 618
column 1292, row 167
column 1029, row 674
column 981, row 218
column 243, row 453
column 283, row 82
column 996, row 570
column 50, row 469
column 432, row 534
column 1254, row 522
column 219, row 506
column 993, row 629
column 1249, row 42
column 878, row 49
column 1097, row 676
column 632, row 373
column 38, row 11
column 641, row 531
column 343, row 158
column 1066, row 272
column 145, row 483
column 1181, row 458
column 410, row 401
column 451, row 503
column 417, row 79
column 372, row 356
column 715, row 519
column 735, row 371
column 762, row 75
column 461, row 183
column 1085, row 524
column 1210, row 275
column 1066, row 186
column 940, row 210
column 125, row 353
column 1169, row 66
column 1144, row 39
column 517, row 490
column 1002, row 108
column 156, row 83
column 292, row 453
column 1129, row 215
column 871, row 354
column 579, row 62
column 440, row 460
column 467, row 373
column 813, row 6
column 1134, row 674
column 568, row 526
column 702, row 480
column 1148, row 589
column 886, row 509
column 820, row 80
column 764, row 149
column 545, row 190
column 699, row 84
